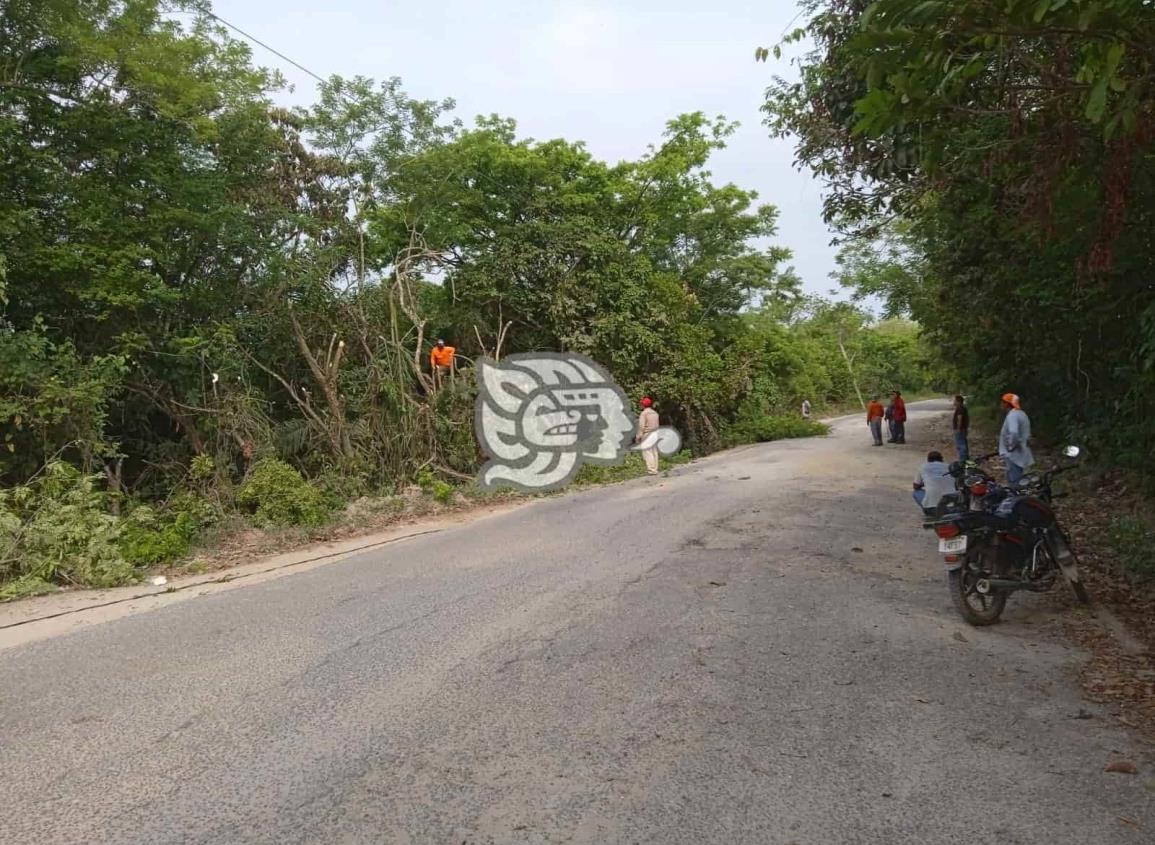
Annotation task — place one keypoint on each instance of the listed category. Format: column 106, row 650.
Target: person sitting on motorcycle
column 932, row 482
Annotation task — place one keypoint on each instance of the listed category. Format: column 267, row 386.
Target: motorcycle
column 998, row 539
column 972, row 487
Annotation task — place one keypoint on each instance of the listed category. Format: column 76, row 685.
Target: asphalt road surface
column 759, row 648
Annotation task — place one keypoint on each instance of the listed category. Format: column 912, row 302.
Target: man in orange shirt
column 874, row 415
column 441, row 360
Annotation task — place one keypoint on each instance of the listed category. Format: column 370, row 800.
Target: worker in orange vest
column 441, row 359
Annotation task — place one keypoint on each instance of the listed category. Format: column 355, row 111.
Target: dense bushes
column 57, row 529
column 277, row 496
column 766, row 429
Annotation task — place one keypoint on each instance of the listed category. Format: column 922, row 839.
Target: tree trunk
column 326, row 377
column 850, row 368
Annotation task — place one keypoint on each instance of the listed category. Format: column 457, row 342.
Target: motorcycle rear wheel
column 977, row 608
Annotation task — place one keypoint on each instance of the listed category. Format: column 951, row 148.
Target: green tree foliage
column 991, row 163
column 207, row 298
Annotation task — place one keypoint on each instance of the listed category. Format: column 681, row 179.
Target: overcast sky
column 607, row 73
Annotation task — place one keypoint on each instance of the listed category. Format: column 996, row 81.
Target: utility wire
column 261, row 43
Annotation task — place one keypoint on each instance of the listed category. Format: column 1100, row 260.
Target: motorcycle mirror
column 1071, row 451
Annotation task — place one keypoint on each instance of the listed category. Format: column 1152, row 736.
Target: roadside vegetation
column 990, row 168
column 216, row 313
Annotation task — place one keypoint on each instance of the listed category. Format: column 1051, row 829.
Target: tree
column 1003, row 147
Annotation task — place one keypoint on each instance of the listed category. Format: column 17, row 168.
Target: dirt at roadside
column 1118, row 629
column 361, row 518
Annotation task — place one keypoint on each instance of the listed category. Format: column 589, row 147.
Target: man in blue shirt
column 1014, row 440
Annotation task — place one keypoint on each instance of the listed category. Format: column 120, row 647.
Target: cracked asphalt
column 759, row 648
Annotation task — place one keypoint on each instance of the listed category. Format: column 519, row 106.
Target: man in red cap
column 648, row 421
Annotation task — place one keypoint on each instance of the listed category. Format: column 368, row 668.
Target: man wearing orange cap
column 648, row 421
column 1014, row 439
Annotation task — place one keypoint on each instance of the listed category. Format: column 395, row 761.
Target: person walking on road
column 1014, row 439
column 648, row 421
column 961, row 422
column 874, row 415
column 898, row 415
column 805, row 409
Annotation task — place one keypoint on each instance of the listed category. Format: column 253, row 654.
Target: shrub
column 201, row 512
column 202, row 467
column 57, row 529
column 632, row 467
column 764, row 429
column 435, row 487
column 1132, row 540
column 149, row 539
column 278, row 496
column 338, row 488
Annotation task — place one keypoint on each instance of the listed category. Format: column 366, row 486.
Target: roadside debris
column 1123, row 767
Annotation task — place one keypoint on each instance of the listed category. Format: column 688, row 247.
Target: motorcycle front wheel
column 1061, row 549
column 1080, row 592
column 976, row 608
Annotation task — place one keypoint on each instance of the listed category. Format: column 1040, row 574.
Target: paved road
column 706, row 658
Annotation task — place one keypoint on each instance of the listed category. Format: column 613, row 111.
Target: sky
column 607, row 73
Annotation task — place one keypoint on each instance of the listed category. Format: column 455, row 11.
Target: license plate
column 953, row 546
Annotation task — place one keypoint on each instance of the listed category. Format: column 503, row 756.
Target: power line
column 261, row 43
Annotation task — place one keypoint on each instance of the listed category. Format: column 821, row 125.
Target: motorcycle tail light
column 950, row 558
column 979, row 489
column 947, row 530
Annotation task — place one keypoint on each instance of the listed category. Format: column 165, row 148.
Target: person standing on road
column 932, row 482
column 899, row 417
column 961, row 422
column 874, row 415
column 1014, row 439
column 888, row 415
column 648, row 421
column 805, row 409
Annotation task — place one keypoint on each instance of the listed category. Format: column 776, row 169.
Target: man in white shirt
column 932, row 482
column 647, row 422
column 805, row 409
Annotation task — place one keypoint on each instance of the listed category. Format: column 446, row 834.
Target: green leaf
column 1097, row 102
column 1042, row 9
column 1114, row 57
